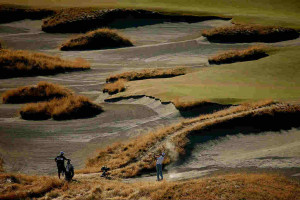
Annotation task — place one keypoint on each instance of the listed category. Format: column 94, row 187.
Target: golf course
column 212, row 87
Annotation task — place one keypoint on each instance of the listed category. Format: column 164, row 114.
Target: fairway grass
column 264, row 12
column 274, row 77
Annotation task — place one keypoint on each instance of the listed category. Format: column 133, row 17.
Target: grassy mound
column 115, row 87
column 25, row 63
column 20, row 186
column 10, row 13
column 70, row 107
column 129, row 159
column 98, row 39
column 42, row 92
column 147, row 74
column 232, row 56
column 250, row 33
column 75, row 20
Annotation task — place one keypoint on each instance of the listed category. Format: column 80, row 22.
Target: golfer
column 60, row 162
column 159, row 162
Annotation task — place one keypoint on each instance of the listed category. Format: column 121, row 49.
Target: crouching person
column 69, row 171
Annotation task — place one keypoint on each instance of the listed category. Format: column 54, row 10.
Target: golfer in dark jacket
column 60, row 162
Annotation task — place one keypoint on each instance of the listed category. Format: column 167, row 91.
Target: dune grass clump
column 99, row 39
column 115, row 87
column 43, row 91
column 18, row 63
column 21, row 186
column 10, row 13
column 250, row 33
column 147, row 74
column 80, row 20
column 70, row 107
column 232, row 56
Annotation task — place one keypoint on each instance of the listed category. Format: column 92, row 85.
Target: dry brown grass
column 251, row 53
column 116, row 87
column 15, row 63
column 129, row 159
column 99, row 39
column 9, row 13
column 70, row 107
column 80, row 20
column 20, row 186
column 147, row 74
column 250, row 33
column 43, row 91
column 235, row 186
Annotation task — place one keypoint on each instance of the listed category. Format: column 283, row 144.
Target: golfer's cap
column 62, row 153
column 163, row 154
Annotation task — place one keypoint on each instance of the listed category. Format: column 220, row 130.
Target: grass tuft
column 17, row 63
column 98, row 39
column 147, row 74
column 250, row 33
column 232, row 56
column 43, row 91
column 70, row 107
column 115, row 87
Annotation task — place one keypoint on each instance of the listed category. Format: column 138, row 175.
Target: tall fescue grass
column 233, row 186
column 20, row 186
column 129, row 159
column 18, row 63
column 43, row 91
column 250, row 33
column 10, row 13
column 147, row 74
column 80, row 20
column 98, row 39
column 70, row 107
column 231, row 56
column 115, row 87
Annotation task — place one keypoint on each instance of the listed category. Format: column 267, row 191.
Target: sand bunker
column 265, row 150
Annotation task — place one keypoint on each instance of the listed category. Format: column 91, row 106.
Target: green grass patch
column 264, row 12
column 274, row 77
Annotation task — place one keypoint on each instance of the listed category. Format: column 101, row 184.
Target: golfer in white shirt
column 159, row 162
